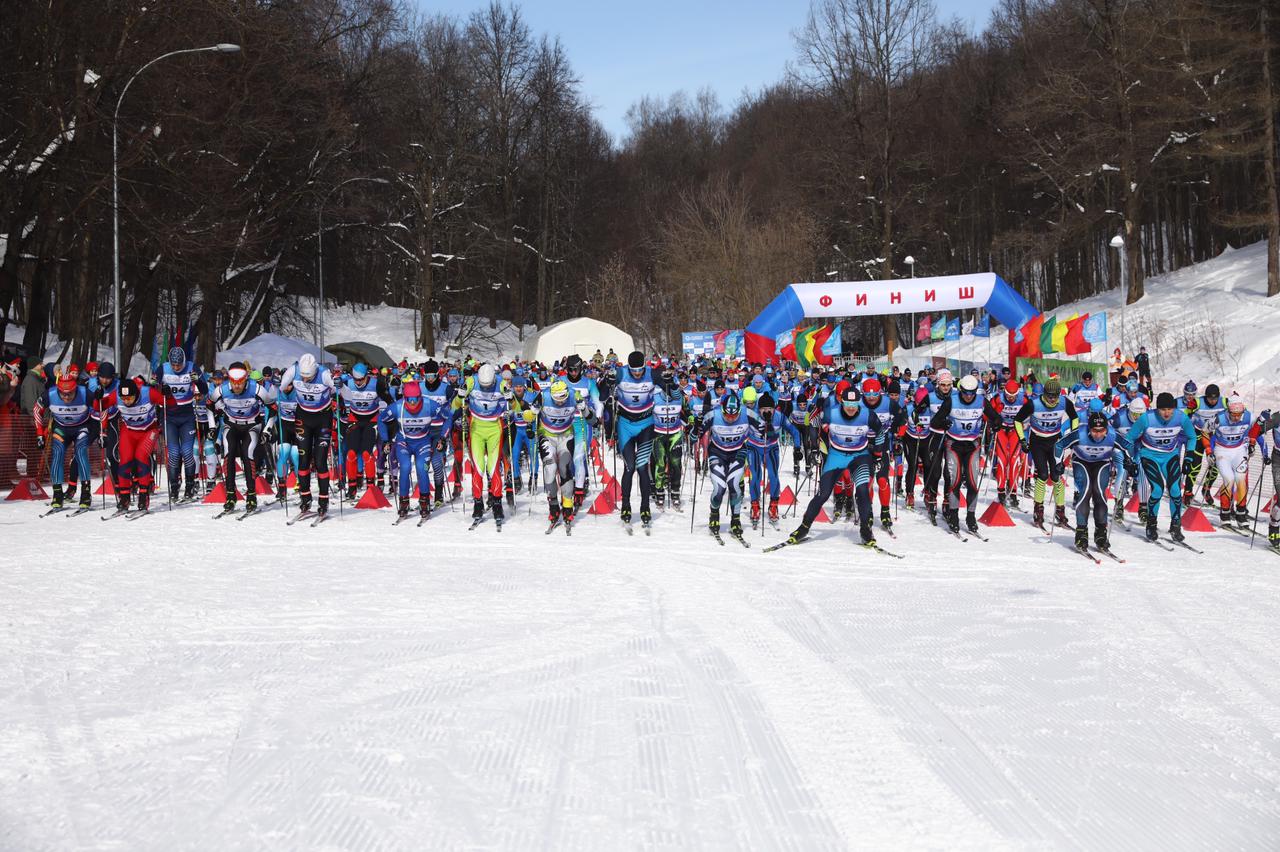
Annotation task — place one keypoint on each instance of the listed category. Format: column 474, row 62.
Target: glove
column 39, row 442
column 1026, row 445
column 217, row 449
column 528, row 416
column 166, row 390
column 440, row 446
column 1266, row 459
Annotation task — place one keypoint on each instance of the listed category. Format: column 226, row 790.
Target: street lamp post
column 1117, row 243
column 911, row 263
column 115, row 190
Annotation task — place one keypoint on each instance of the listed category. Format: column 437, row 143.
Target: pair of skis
column 736, row 536
column 869, row 545
column 568, row 526
column 128, row 514
column 312, row 515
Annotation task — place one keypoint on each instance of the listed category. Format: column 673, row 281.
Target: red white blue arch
column 875, row 298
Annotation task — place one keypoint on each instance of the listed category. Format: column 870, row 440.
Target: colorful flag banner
column 982, row 328
column 939, row 330
column 1095, row 328
column 833, row 346
column 924, row 329
column 953, row 329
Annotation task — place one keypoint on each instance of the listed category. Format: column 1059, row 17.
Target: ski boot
column 971, row 522
column 1037, row 514
column 477, row 510
column 304, row 503
column 932, row 510
column 867, row 532
column 1273, row 537
column 439, row 501
column 625, row 514
column 424, row 507
column 886, row 519
column 280, row 492
column 1242, row 515
column 144, row 499
column 660, row 499
column 1060, row 517
column 1013, row 500
column 1207, row 495
column 457, row 492
column 56, row 503
column 189, row 495
column 122, row 500
column 735, row 525
column 86, row 496
column 1118, row 512
column 1225, row 515
column 952, row 517
column 1100, row 539
column 799, row 533
column 849, row 506
column 1175, row 531
column 1142, row 513
column 251, row 500
column 495, row 505
column 402, row 507
column 911, row 501
column 579, row 494
column 519, row 486
column 646, row 518
column 1082, row 538
column 1153, row 532
column 230, row 504
column 1026, row 489
column 675, row 502
column 553, row 509
column 1189, row 497
column 322, row 507
column 1001, row 497
column 755, row 513
column 713, row 523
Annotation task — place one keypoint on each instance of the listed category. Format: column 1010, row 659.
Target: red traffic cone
column 996, row 516
column 260, row 486
column 373, row 499
column 604, row 504
column 27, row 489
column 822, row 516
column 219, row 494
column 1270, row 503
column 1134, row 504
column 787, row 497
column 1193, row 520
column 1109, row 495
column 107, row 487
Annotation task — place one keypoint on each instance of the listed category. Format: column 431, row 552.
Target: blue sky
column 623, row 51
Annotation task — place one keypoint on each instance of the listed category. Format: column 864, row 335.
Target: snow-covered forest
column 452, row 165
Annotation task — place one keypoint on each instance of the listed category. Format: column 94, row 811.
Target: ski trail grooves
column 876, row 790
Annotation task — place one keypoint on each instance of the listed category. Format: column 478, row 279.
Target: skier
column 242, row 403
column 915, row 438
column 361, row 399
column 892, row 417
column 1124, row 465
column 69, row 405
column 1269, row 422
column 417, row 441
column 137, row 418
column 669, row 412
column 103, row 384
column 1085, row 391
column 556, row 411
column 521, row 446
column 1204, row 416
column 486, row 410
column 442, row 393
column 1010, row 460
column 727, row 428
column 180, row 382
column 762, row 449
column 963, row 417
column 932, row 457
column 1233, row 442
column 314, row 391
column 849, row 431
column 633, row 397
column 1158, row 438
column 287, row 439
column 1093, row 447
column 1040, row 423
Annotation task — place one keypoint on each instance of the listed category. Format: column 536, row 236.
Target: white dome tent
column 580, row 336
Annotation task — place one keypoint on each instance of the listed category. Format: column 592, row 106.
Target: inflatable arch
column 874, row 298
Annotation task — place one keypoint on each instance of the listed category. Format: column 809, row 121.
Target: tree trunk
column 886, row 251
column 207, row 326
column 427, row 332
column 1133, row 244
column 1269, row 156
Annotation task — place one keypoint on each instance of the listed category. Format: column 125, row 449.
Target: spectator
column 33, row 385
column 1144, row 368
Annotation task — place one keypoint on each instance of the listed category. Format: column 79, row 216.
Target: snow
column 1211, row 322
column 357, row 686
column 395, row 330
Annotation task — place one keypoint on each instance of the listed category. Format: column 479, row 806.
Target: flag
column 924, row 329
column 1046, row 337
column 982, row 328
column 1095, row 328
column 157, row 357
column 1027, row 338
column 818, row 342
column 939, row 330
column 785, row 345
column 1060, row 333
column 832, row 346
column 719, row 339
column 1074, row 343
column 953, row 329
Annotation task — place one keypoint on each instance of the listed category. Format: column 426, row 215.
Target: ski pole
column 1257, row 506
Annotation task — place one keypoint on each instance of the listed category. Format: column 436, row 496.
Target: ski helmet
column 127, row 389
column 1137, row 408
column 177, row 357
column 969, row 385
column 1097, row 420
column 1212, row 392
column 732, row 405
column 1095, row 404
column 486, row 376
column 1052, row 386
column 559, row 392
column 1189, row 388
column 307, row 367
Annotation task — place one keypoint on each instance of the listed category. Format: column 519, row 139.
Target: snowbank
column 273, row 350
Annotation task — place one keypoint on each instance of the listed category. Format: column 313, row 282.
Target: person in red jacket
column 137, row 415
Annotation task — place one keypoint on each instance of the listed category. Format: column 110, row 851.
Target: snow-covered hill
column 1211, row 322
column 396, row 330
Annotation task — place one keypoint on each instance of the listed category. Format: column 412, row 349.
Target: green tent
column 358, row 350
